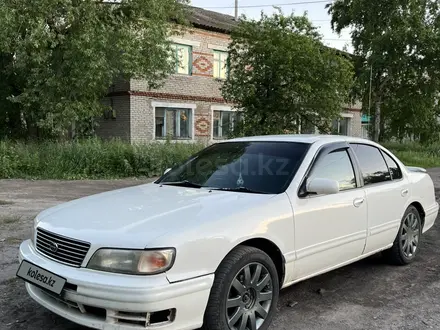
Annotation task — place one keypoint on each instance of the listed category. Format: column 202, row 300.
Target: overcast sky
column 316, row 12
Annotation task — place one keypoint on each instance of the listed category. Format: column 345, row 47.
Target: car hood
column 132, row 217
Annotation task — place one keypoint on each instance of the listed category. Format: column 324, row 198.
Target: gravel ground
column 365, row 295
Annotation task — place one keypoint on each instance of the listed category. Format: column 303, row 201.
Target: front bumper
column 116, row 301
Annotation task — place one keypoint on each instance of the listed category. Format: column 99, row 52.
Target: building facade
column 189, row 106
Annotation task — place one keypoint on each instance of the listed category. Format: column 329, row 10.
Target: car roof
column 304, row 138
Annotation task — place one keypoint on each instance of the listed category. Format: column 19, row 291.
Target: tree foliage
column 281, row 74
column 398, row 43
column 59, row 57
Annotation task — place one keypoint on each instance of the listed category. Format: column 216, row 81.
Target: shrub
column 416, row 154
column 90, row 159
column 97, row 159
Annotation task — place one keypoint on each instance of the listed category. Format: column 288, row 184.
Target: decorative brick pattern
column 203, row 64
column 202, row 125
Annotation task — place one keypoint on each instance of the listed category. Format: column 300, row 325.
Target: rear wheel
column 407, row 243
column 245, row 292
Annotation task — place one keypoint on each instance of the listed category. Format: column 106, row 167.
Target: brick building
column 189, row 106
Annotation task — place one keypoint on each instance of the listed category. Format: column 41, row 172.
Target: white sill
column 182, row 140
column 173, row 138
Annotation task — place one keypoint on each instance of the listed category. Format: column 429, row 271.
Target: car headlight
column 135, row 262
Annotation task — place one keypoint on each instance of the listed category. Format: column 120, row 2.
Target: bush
column 97, row 159
column 416, row 154
column 90, row 159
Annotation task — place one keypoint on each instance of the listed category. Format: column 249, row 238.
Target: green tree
column 281, row 75
column 398, row 42
column 10, row 120
column 63, row 55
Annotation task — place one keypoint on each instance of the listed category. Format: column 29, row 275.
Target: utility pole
column 369, row 99
column 236, row 10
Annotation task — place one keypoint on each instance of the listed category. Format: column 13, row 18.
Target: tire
column 248, row 301
column 402, row 252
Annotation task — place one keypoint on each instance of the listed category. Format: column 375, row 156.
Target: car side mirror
column 322, row 186
column 166, row 171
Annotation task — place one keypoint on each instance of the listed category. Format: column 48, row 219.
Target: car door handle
column 358, row 202
column 404, row 192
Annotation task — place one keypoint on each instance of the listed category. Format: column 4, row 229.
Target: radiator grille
column 63, row 249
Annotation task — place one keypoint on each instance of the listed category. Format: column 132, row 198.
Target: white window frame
column 345, row 115
column 220, row 54
column 189, row 48
column 219, row 108
column 190, row 106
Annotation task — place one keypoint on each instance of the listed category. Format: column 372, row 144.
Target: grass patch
column 415, row 154
column 5, row 202
column 90, row 159
column 97, row 159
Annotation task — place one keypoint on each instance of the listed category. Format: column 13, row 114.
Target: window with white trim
column 224, row 122
column 183, row 55
column 342, row 126
column 220, row 64
column 175, row 123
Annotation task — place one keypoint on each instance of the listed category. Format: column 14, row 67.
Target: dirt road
column 366, row 295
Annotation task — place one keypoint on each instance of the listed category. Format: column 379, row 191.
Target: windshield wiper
column 240, row 189
column 184, row 183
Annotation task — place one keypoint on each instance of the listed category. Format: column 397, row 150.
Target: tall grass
column 90, row 159
column 416, row 154
column 96, row 159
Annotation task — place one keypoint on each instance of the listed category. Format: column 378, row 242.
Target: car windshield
column 253, row 167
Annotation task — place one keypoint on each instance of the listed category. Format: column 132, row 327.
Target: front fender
column 201, row 248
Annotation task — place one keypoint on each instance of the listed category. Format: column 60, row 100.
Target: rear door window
column 396, row 172
column 372, row 164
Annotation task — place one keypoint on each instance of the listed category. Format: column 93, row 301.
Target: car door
column 330, row 230
column 387, row 193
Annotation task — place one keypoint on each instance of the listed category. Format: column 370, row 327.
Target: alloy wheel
column 249, row 298
column 409, row 235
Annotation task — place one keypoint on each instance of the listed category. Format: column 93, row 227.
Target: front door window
column 336, row 166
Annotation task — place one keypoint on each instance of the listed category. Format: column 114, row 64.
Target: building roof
column 211, row 20
column 218, row 22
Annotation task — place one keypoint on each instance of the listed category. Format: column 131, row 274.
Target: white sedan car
column 213, row 240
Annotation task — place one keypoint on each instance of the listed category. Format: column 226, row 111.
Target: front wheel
column 407, row 243
column 245, row 292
